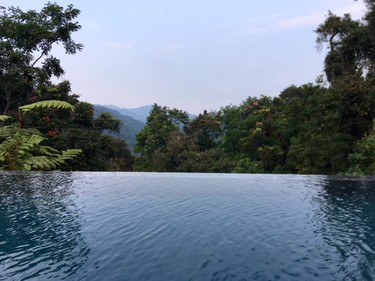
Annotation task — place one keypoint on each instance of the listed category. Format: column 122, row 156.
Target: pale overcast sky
column 196, row 54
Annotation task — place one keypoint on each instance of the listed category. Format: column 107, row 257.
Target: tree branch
column 43, row 53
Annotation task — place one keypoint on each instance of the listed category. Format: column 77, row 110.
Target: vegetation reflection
column 40, row 230
column 347, row 213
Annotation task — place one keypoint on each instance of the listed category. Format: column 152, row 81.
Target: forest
column 322, row 127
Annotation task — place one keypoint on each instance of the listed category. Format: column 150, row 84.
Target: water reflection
column 346, row 214
column 106, row 226
column 40, row 229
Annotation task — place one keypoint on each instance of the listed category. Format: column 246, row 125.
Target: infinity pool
column 149, row 226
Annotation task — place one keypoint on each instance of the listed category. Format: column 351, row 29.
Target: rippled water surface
column 138, row 226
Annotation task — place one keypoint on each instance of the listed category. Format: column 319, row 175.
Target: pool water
column 150, row 226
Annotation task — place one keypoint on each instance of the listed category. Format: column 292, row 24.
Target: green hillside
column 129, row 127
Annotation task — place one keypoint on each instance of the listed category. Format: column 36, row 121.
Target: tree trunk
column 7, row 98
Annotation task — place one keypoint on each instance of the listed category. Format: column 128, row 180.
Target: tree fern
column 22, row 149
column 69, row 154
column 48, row 162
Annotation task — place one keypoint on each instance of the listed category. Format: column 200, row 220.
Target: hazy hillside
column 140, row 113
column 133, row 120
column 129, row 128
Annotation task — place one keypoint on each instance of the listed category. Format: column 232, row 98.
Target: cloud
column 356, row 10
column 301, row 21
column 120, row 46
column 313, row 20
column 92, row 25
column 277, row 22
column 258, row 24
column 174, row 46
column 257, row 30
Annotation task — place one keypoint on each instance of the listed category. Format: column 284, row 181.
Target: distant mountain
column 140, row 113
column 133, row 120
column 129, row 128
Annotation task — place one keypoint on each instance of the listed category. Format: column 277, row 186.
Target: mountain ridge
column 138, row 113
column 129, row 125
column 133, row 120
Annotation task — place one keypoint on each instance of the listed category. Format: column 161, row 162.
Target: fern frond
column 47, row 150
column 28, row 143
column 69, row 154
column 21, row 149
column 40, row 163
column 48, row 162
column 26, row 167
column 9, row 149
column 7, row 145
column 33, row 139
column 47, row 104
column 28, row 131
column 12, row 131
column 6, row 132
column 4, row 118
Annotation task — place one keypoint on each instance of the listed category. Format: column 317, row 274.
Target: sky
column 193, row 55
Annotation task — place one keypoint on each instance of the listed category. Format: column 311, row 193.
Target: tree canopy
column 324, row 127
column 27, row 93
column 26, row 41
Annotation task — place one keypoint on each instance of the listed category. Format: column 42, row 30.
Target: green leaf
column 26, row 167
column 57, row 104
column 4, row 118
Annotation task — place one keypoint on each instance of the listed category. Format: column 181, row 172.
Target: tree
column 205, row 130
column 161, row 122
column 362, row 160
column 26, row 42
column 105, row 121
column 343, row 36
column 350, row 67
column 254, row 135
column 26, row 68
column 318, row 141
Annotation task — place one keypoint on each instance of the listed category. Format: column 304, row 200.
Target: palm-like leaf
column 21, row 149
column 4, row 118
column 47, row 104
column 6, row 132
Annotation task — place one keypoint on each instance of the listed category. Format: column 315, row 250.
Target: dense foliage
column 22, row 149
column 26, row 69
column 324, row 127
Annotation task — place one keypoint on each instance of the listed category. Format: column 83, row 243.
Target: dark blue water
column 128, row 226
